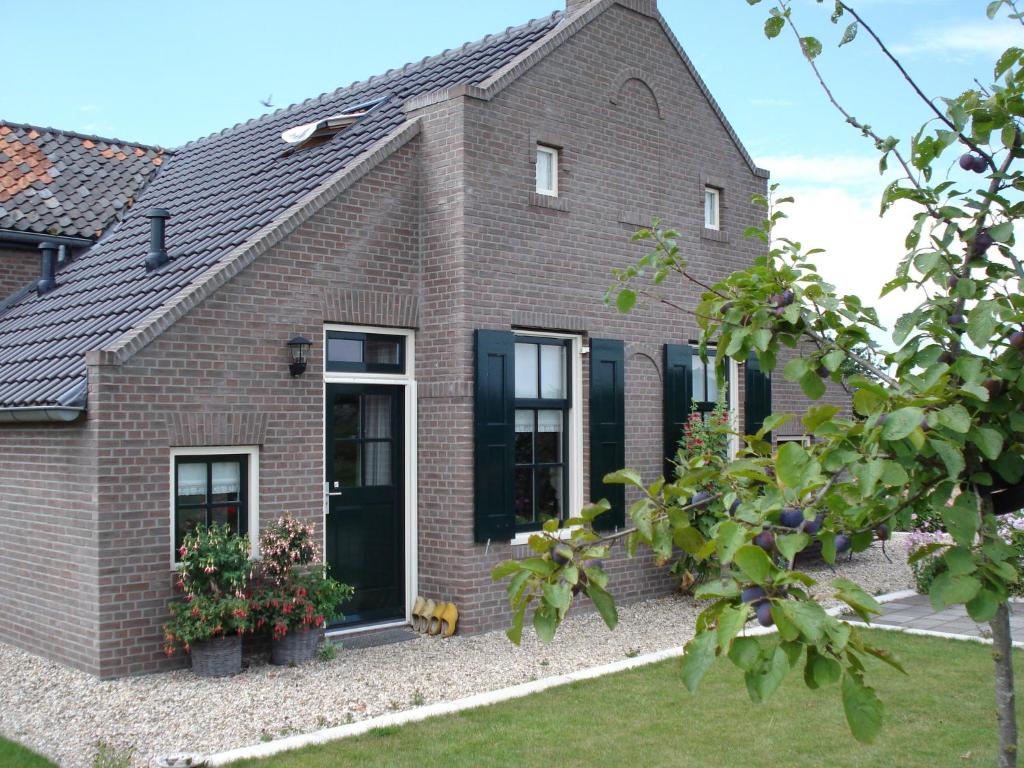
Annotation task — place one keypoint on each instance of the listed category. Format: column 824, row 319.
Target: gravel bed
column 62, row 713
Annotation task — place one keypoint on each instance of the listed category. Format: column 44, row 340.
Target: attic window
column 319, row 132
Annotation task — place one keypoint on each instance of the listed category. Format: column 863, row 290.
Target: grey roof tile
column 220, row 190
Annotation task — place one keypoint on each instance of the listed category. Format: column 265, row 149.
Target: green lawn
column 15, row 756
column 942, row 715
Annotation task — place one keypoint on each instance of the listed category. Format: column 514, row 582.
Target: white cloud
column 829, row 171
column 862, row 249
column 988, row 38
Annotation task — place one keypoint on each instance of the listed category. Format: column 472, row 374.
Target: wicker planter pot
column 297, row 647
column 221, row 657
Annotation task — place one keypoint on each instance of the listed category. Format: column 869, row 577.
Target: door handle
column 331, row 495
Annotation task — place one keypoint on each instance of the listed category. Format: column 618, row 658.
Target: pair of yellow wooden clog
column 434, row 618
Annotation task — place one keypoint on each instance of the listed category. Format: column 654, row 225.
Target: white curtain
column 377, row 424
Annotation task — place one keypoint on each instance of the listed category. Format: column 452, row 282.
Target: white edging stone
column 417, row 714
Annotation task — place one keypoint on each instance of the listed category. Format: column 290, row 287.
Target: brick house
column 443, row 235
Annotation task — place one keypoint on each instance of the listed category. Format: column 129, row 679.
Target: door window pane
column 526, row 371
column 346, row 463
column 383, row 349
column 344, row 350
column 377, row 463
column 552, row 371
column 192, row 483
column 346, row 416
column 376, row 416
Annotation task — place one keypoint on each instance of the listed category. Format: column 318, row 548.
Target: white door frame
column 407, row 381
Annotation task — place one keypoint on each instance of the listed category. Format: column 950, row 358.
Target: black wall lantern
column 299, row 347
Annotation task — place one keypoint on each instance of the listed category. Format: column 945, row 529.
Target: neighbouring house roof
column 223, row 192
column 62, row 183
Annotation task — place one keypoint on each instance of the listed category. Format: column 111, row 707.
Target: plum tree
column 937, row 425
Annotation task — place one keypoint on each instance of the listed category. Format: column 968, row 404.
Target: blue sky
column 168, row 73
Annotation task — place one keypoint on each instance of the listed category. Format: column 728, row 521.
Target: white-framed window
column 547, row 170
column 712, row 208
column 214, row 484
column 804, row 440
column 548, row 480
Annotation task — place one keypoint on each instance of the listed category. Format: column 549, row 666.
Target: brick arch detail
column 641, row 76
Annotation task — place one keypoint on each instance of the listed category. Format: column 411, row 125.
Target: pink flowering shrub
column 286, row 545
column 293, row 591
column 214, row 575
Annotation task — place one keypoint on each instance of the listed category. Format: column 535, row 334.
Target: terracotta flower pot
column 220, row 657
column 297, row 647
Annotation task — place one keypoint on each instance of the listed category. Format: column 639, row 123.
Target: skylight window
column 302, row 135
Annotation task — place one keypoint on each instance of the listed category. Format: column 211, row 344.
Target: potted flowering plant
column 295, row 598
column 210, row 621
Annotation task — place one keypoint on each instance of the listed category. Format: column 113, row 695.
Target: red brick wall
column 17, row 269
column 48, row 553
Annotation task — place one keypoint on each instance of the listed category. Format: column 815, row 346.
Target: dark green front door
column 365, row 511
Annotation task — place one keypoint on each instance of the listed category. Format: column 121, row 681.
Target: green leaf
column 515, row 632
column 808, row 617
column 558, row 596
column 956, row 418
column 624, row 477
column 731, row 536
column 952, row 590
column 504, row 569
column 951, row 456
column 765, row 677
column 811, row 47
column 863, row 709
column 961, row 519
column 820, row 670
column 626, row 300
column 981, row 323
column 901, row 423
column 989, row 441
column 868, row 474
column 924, row 551
column 849, row 34
column 754, row 563
column 959, row 561
column 795, row 466
column 854, row 596
column 545, row 622
column 812, row 385
column 983, row 606
column 730, row 621
column 699, row 656
column 745, row 652
column 717, row 589
column 790, row 544
column 604, row 603
column 773, row 26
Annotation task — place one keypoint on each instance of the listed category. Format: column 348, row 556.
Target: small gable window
column 712, row 208
column 547, row 170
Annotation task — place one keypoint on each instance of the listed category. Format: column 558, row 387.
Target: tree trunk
column 1006, row 713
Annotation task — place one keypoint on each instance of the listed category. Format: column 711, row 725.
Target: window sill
column 714, row 234
column 522, row 539
column 538, row 200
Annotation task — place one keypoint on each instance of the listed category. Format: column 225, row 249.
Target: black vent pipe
column 157, row 247
column 47, row 267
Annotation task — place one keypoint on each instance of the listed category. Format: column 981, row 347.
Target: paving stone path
column 916, row 611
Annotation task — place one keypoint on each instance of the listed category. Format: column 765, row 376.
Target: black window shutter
column 758, row 397
column 607, row 427
column 494, row 436
column 678, row 399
